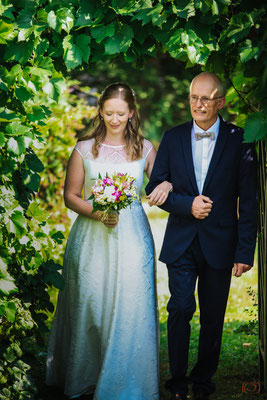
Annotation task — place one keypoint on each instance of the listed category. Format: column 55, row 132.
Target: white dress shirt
column 202, row 151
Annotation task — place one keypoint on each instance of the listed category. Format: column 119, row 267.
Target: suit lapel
column 187, row 148
column 220, row 143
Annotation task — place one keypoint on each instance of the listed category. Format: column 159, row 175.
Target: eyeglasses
column 204, row 100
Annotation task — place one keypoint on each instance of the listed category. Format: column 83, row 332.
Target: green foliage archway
column 40, row 42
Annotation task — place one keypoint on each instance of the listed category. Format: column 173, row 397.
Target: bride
column 104, row 337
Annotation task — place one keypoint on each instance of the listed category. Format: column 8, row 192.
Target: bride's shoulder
column 84, row 147
column 147, row 147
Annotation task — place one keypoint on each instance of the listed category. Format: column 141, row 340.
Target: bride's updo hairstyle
column 133, row 136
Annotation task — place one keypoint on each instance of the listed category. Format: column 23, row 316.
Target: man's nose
column 199, row 102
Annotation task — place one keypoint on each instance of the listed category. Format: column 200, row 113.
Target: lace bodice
column 110, row 159
column 108, row 153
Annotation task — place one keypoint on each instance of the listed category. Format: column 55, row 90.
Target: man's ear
column 221, row 103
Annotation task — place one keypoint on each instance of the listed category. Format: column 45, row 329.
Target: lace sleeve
column 147, row 147
column 84, row 148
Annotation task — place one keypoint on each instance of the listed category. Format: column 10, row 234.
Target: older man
column 211, row 228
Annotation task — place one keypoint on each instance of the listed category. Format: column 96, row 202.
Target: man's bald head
column 211, row 76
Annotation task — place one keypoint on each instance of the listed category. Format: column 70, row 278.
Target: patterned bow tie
column 201, row 135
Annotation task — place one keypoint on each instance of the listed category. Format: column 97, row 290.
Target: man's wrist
column 171, row 187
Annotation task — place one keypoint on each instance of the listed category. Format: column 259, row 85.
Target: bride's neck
column 114, row 140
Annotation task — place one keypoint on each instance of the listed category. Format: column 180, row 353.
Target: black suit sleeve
column 248, row 206
column 176, row 203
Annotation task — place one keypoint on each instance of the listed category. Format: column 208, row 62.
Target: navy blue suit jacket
column 228, row 234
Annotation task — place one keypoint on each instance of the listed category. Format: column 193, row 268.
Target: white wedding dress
column 105, row 332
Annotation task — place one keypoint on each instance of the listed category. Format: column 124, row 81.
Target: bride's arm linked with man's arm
column 174, row 203
column 160, row 192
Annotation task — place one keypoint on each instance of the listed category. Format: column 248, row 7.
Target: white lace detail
column 108, row 153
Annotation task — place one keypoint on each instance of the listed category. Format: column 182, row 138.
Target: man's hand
column 201, row 206
column 239, row 269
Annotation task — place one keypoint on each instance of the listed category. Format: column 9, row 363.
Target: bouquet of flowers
column 113, row 193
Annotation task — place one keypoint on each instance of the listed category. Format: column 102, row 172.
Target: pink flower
column 117, row 194
column 108, row 181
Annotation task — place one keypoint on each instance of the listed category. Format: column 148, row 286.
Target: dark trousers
column 213, row 290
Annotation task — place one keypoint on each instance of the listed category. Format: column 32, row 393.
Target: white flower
column 108, row 193
column 97, row 189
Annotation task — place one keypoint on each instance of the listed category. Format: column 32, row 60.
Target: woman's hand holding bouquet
column 111, row 194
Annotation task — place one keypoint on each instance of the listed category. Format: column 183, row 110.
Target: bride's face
column 115, row 114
